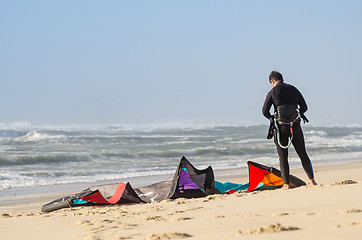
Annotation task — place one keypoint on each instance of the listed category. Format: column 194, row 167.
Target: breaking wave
column 34, row 136
column 38, row 155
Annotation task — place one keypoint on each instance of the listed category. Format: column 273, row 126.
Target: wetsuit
column 286, row 94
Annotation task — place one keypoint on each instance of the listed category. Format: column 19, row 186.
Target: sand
column 331, row 210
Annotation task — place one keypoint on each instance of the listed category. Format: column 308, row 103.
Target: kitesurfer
column 285, row 124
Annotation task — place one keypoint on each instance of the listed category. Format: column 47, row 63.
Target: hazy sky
column 176, row 61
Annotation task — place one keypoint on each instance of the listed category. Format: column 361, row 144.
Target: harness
column 286, row 115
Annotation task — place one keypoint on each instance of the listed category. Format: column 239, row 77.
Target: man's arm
column 302, row 104
column 302, row 107
column 267, row 105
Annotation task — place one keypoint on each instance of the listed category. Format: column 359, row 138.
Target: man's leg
column 283, row 154
column 299, row 146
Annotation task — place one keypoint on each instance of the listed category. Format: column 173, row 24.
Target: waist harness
column 286, row 115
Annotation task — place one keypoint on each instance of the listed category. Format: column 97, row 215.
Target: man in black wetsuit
column 286, row 94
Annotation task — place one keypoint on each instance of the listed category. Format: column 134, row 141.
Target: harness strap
column 291, row 130
column 278, row 135
column 298, row 117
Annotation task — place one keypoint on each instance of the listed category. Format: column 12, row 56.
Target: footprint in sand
column 128, row 225
column 13, row 215
column 209, row 198
column 268, row 229
column 279, row 214
column 253, row 215
column 6, row 215
column 353, row 224
column 181, row 201
column 345, row 182
column 165, row 236
column 122, row 237
column 180, row 219
column 77, row 214
column 308, row 214
column 156, row 209
column 154, row 219
column 195, row 208
column 84, row 223
column 100, row 225
column 177, row 211
column 350, row 211
column 241, row 194
column 91, row 237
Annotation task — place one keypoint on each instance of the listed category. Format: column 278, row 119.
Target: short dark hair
column 276, row 76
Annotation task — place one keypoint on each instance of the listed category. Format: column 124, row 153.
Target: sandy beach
column 331, row 210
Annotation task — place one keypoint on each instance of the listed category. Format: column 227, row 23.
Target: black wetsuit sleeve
column 267, row 105
column 302, row 104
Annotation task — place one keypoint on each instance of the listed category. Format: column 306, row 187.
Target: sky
column 144, row 62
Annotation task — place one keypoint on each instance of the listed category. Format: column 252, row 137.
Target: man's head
column 275, row 77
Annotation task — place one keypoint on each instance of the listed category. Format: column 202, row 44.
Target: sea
column 43, row 155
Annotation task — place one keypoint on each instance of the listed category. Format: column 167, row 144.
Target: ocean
column 34, row 155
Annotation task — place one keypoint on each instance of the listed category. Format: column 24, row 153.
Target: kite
column 187, row 182
column 263, row 177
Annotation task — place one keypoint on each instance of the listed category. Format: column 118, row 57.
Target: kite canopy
column 269, row 177
column 187, row 182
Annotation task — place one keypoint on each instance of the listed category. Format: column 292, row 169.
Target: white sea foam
column 38, row 136
column 316, row 133
column 348, row 142
column 39, row 155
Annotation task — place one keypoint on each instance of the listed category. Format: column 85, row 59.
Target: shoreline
column 138, row 181
column 18, row 199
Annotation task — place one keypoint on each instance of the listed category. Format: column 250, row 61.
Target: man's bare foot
column 313, row 182
column 286, row 186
